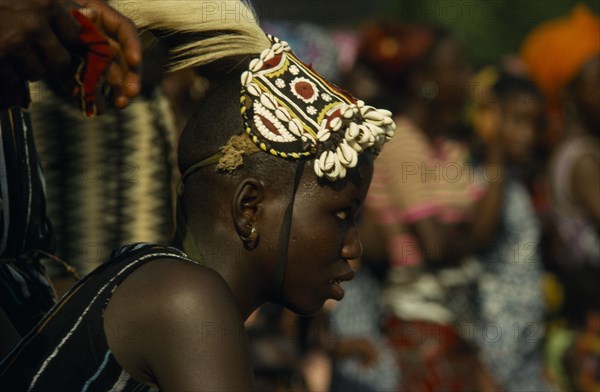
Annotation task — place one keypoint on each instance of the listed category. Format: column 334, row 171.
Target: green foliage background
column 490, row 28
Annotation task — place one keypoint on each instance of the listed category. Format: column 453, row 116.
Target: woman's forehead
column 353, row 186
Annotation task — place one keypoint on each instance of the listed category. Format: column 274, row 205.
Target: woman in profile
column 275, row 165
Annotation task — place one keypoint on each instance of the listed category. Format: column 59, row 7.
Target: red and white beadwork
column 292, row 112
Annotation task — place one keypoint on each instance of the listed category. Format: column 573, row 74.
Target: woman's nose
column 352, row 246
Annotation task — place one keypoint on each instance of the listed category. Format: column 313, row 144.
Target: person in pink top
column 425, row 208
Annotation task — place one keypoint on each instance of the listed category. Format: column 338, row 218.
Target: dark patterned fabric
column 25, row 292
column 111, row 183
column 67, row 350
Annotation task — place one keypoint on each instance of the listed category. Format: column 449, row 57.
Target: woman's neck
column 246, row 292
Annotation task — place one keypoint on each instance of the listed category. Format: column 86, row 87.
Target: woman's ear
column 245, row 206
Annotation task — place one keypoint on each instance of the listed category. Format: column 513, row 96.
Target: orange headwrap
column 556, row 50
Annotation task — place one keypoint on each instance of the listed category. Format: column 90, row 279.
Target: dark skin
column 521, row 116
column 197, row 312
column 36, row 35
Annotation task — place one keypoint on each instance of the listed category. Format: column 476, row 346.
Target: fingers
column 121, row 31
column 119, row 78
column 53, row 53
column 65, row 25
column 29, row 39
column 34, row 36
column 126, row 34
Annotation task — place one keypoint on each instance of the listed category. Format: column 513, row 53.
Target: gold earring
column 250, row 239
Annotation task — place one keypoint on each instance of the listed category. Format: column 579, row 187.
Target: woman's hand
column 35, row 36
column 123, row 74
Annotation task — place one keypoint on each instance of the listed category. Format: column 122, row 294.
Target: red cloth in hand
column 94, row 54
column 91, row 58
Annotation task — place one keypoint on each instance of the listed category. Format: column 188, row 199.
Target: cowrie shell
column 352, row 131
column 256, row 65
column 323, row 135
column 282, row 114
column 267, row 55
column 374, row 116
column 267, row 101
column 246, row 77
column 253, row 89
column 295, row 128
column 347, row 154
column 346, row 112
column 322, row 159
column 277, row 48
column 355, row 146
column 336, row 124
column 317, row 168
column 385, row 112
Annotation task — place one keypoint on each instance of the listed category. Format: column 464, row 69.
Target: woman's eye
column 343, row 214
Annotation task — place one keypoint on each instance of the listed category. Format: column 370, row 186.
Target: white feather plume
column 225, row 28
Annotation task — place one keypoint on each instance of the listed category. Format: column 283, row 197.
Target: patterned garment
column 414, row 180
column 67, row 350
column 25, row 291
column 360, row 315
column 433, row 357
column 111, row 183
column 511, row 326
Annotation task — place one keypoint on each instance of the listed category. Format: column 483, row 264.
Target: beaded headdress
column 290, row 111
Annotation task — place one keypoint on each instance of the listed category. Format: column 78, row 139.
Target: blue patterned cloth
column 359, row 315
column 511, row 304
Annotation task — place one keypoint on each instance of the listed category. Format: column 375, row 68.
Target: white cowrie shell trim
column 267, row 101
column 295, row 128
column 283, row 114
column 267, row 54
column 336, row 124
column 253, row 89
column 346, row 112
column 247, row 78
column 256, row 65
column 277, row 48
column 346, row 154
column 374, row 115
column 323, row 135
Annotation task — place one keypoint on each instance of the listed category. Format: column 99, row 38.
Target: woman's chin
column 305, row 309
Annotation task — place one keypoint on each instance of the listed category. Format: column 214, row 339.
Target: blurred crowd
column 481, row 230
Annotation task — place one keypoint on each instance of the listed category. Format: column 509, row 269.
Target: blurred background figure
column 363, row 359
column 563, row 56
column 425, row 211
column 510, row 114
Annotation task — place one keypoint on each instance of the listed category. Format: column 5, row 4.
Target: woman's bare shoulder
column 171, row 316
